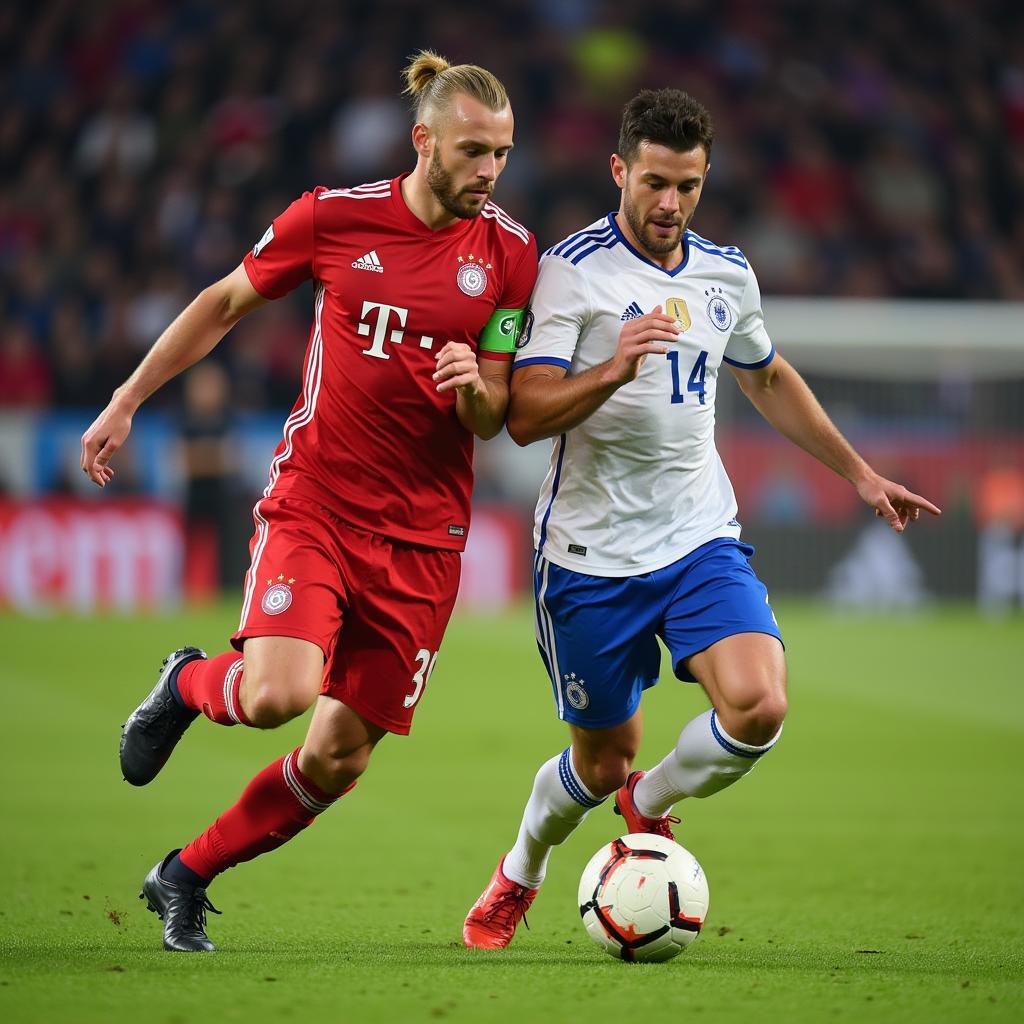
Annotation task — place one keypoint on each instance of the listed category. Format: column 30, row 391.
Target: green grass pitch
column 870, row 869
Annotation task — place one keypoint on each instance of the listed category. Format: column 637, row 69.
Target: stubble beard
column 457, row 203
column 645, row 234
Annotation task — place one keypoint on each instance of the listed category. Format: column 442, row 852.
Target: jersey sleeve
column 283, row 258
column 749, row 346
column 559, row 309
column 519, row 286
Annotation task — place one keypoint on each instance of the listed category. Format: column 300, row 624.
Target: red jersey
column 369, row 437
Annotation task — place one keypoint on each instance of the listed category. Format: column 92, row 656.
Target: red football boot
column 492, row 920
column 635, row 821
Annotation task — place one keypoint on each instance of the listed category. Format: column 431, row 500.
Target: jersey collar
column 640, row 256
column 409, row 219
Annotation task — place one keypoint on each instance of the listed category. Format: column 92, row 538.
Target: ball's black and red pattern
column 629, row 939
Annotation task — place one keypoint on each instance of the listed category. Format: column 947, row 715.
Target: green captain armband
column 501, row 333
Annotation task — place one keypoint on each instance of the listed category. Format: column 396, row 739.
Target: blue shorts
column 597, row 634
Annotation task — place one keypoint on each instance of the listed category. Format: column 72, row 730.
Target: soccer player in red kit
column 421, row 285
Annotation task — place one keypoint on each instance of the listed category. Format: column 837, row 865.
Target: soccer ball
column 643, row 898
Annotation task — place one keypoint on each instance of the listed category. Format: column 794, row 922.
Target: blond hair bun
column 433, row 82
column 421, row 71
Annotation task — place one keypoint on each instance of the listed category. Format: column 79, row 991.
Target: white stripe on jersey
column 497, row 214
column 373, row 190
column 302, row 416
column 503, row 214
column 360, row 195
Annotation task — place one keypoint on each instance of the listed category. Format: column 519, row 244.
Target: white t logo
column 380, row 330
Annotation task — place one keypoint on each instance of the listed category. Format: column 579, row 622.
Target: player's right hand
column 638, row 339
column 108, row 432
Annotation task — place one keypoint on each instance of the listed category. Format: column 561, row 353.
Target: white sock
column 558, row 803
column 705, row 760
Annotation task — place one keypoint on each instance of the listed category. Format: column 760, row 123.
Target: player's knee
column 269, row 705
column 335, row 769
column 759, row 720
column 606, row 771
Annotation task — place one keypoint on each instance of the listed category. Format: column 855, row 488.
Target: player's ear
column 619, row 170
column 422, row 139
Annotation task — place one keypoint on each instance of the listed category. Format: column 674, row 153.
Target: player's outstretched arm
column 783, row 398
column 546, row 403
column 196, row 330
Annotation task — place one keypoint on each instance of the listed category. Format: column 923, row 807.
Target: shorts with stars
column 375, row 606
column 598, row 635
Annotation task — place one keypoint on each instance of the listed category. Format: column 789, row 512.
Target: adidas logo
column 631, row 312
column 371, row 261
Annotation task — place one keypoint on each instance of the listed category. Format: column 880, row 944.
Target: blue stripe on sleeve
column 583, row 254
column 751, row 366
column 541, row 360
column 738, row 260
column 580, row 237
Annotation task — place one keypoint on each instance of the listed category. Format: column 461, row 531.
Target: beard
column 644, row 230
column 458, row 202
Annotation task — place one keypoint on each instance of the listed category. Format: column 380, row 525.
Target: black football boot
column 156, row 725
column 182, row 908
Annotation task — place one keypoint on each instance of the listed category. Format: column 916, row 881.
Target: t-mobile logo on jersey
column 381, row 332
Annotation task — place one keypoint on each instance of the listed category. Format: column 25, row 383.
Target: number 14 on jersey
column 695, row 382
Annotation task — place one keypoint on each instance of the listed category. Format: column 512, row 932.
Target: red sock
column 276, row 806
column 211, row 686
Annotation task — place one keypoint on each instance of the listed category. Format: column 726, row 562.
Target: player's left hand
column 893, row 502
column 457, row 369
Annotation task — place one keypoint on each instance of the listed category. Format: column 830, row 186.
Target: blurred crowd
column 863, row 148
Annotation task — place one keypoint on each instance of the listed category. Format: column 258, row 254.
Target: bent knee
column 606, row 773
column 335, row 770
column 759, row 721
column 269, row 705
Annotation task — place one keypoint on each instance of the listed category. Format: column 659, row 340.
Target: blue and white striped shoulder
column 725, row 252
column 581, row 244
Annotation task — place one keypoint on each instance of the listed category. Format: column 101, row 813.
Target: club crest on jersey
column 471, row 276
column 676, row 308
column 575, row 694
column 719, row 312
column 278, row 596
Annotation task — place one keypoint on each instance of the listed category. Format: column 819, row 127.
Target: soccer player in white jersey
column 636, row 529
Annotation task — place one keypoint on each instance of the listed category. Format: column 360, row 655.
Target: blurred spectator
column 25, row 377
column 155, row 306
column 209, row 474
column 74, row 385
column 118, row 138
column 780, row 249
column 1000, row 512
column 784, row 496
column 371, row 130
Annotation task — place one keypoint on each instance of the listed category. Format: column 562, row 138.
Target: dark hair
column 668, row 117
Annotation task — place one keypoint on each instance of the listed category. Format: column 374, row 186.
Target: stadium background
column 869, row 161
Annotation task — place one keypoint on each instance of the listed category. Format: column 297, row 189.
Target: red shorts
column 376, row 607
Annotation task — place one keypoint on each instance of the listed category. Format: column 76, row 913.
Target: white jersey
column 639, row 483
